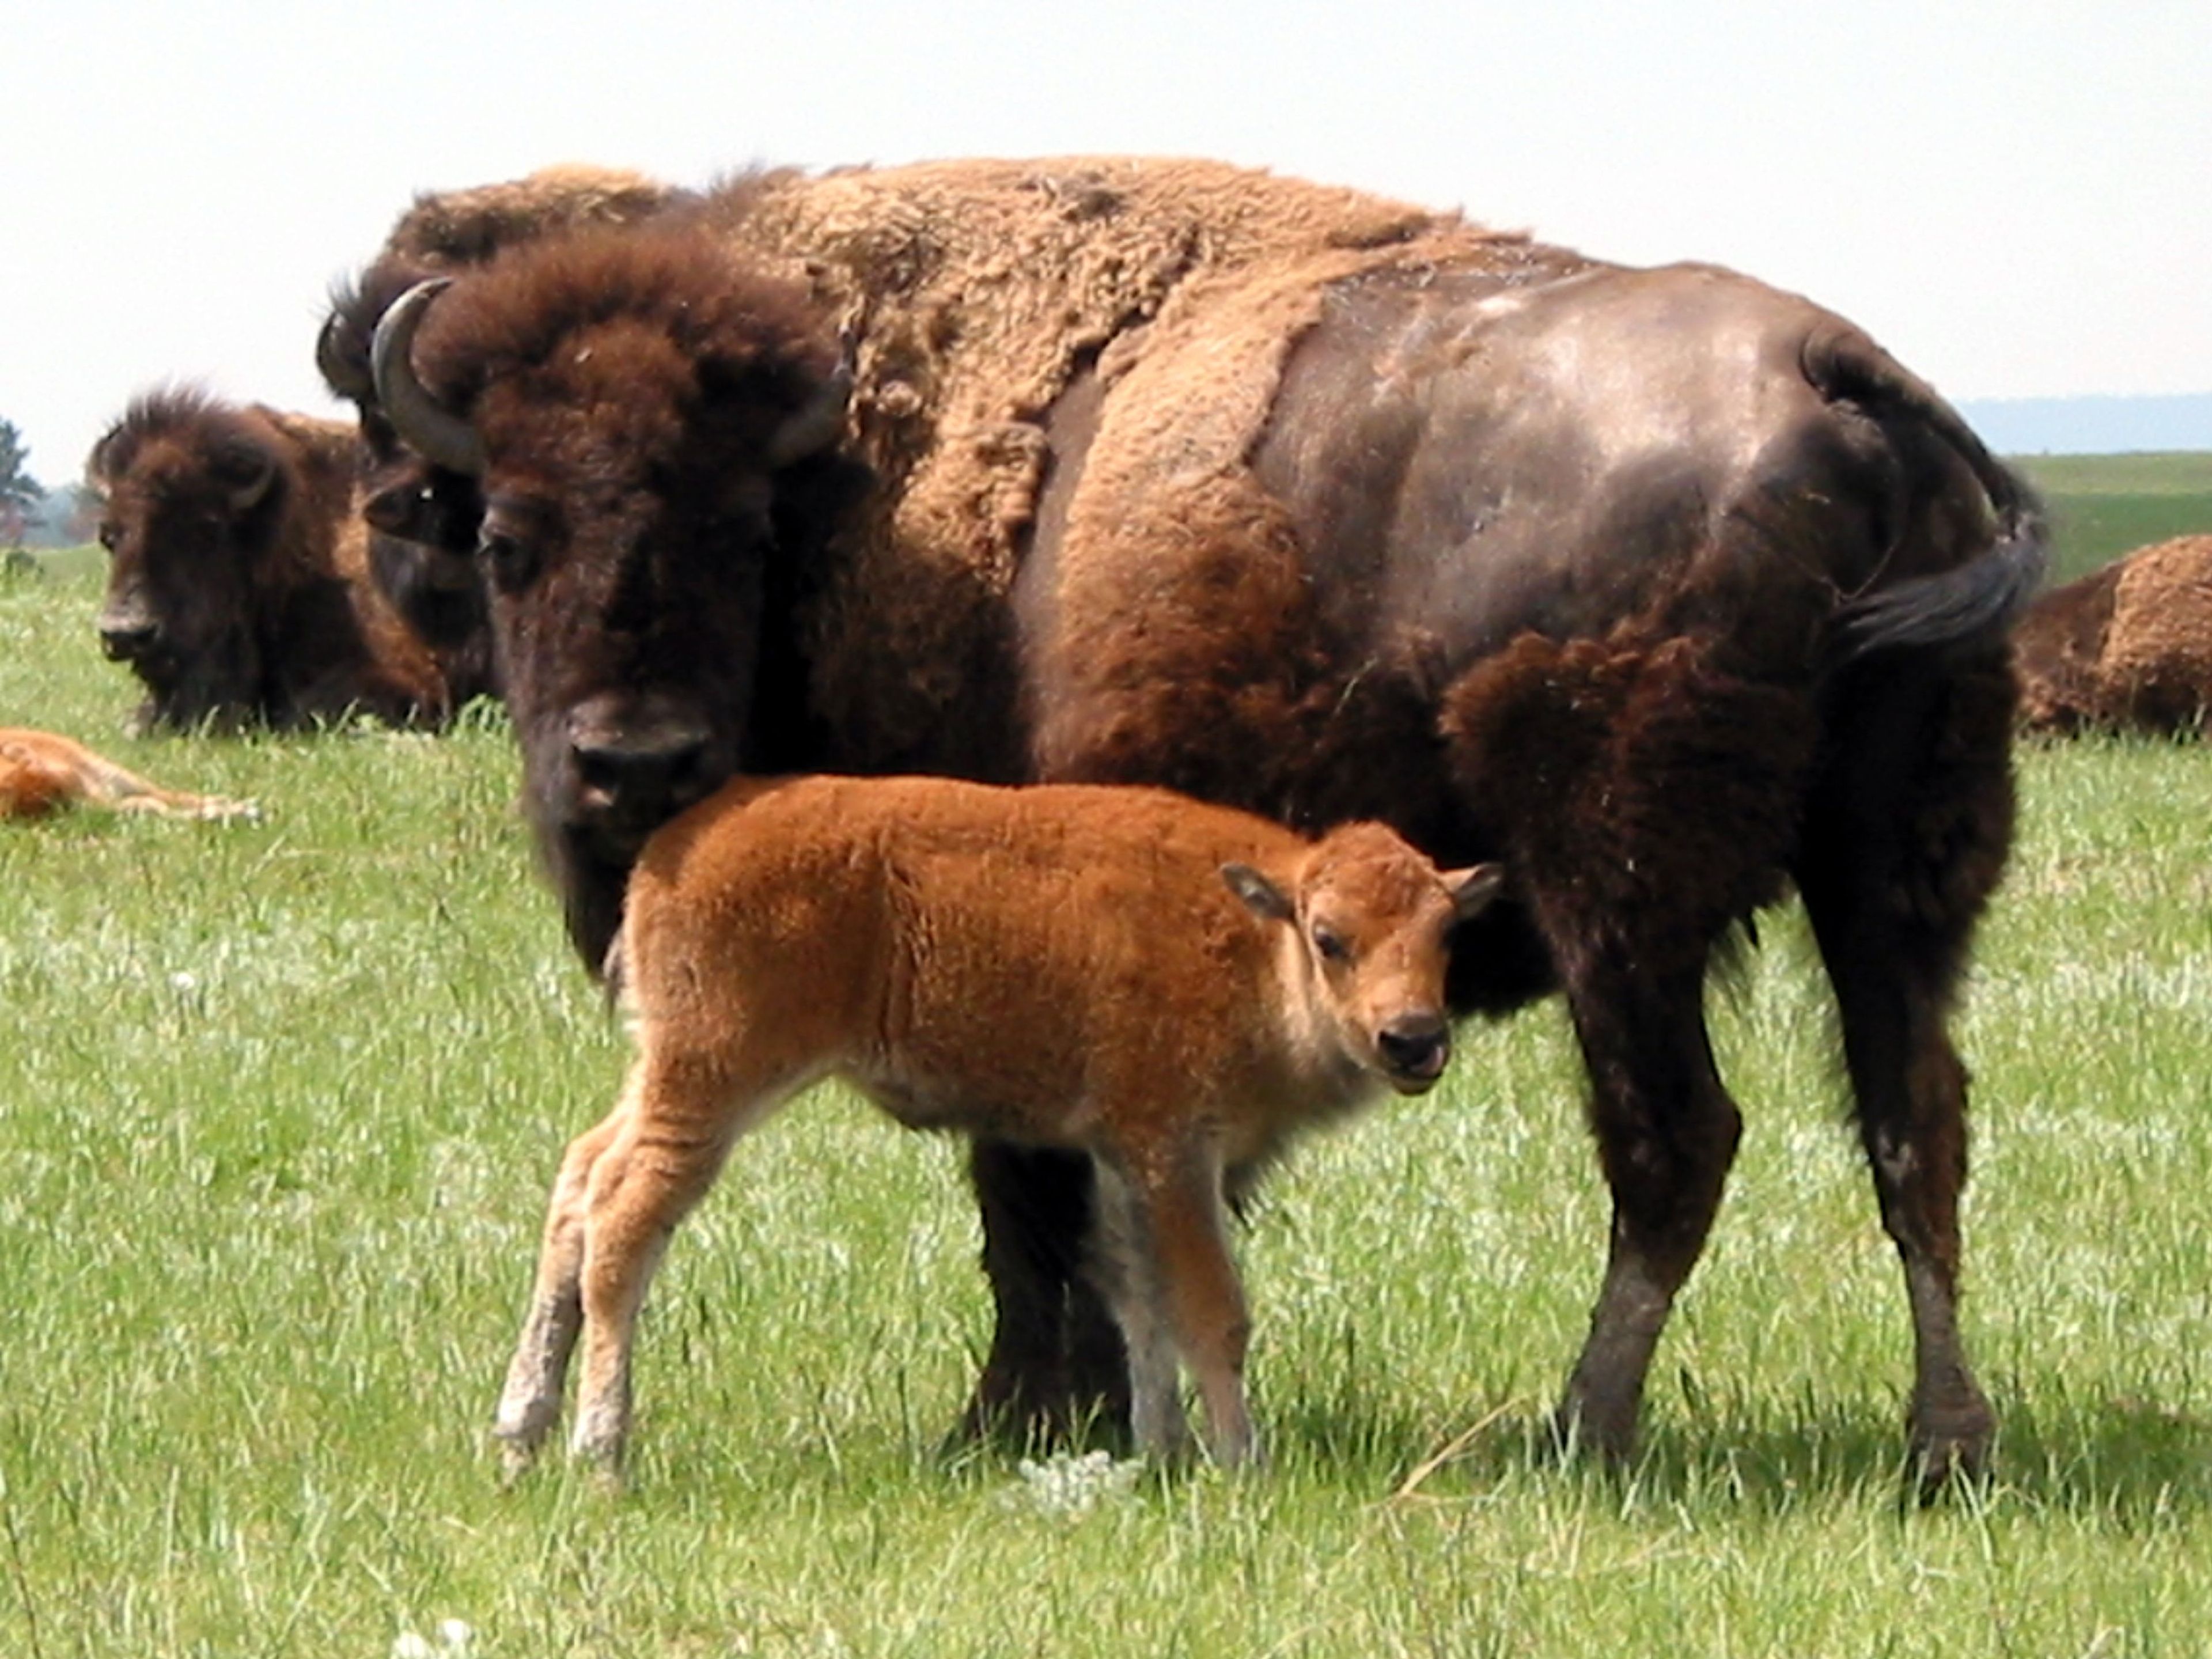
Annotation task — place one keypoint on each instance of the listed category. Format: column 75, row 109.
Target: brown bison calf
column 1172, row 987
column 42, row 773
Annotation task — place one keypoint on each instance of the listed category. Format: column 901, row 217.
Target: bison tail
column 1962, row 606
column 1966, row 606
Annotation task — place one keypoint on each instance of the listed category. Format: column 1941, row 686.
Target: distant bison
column 425, row 517
column 1665, row 587
column 42, row 773
column 238, row 586
column 1174, row 988
column 2128, row 647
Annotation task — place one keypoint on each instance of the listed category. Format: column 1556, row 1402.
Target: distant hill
column 2091, row 426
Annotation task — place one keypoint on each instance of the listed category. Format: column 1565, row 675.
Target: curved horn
column 339, row 371
column 817, row 423
column 431, row 430
column 246, row 494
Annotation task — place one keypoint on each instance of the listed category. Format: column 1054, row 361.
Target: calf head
column 1372, row 921
column 629, row 408
column 195, row 495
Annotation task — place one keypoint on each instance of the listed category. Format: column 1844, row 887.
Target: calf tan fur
column 42, row 774
column 1173, row 987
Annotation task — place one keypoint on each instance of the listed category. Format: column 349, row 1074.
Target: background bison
column 1665, row 587
column 2127, row 647
column 238, row 587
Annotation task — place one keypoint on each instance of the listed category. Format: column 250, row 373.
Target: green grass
column 279, row 1102
column 2103, row 506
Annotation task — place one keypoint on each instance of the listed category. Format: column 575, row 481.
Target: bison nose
column 127, row 639
column 646, row 771
column 1415, row 1047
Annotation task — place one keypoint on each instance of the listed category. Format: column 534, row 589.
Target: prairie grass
column 279, row 1102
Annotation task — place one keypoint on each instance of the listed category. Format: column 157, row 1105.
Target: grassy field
column 279, row 1102
column 2103, row 505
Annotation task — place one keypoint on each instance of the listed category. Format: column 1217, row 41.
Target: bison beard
column 1667, row 588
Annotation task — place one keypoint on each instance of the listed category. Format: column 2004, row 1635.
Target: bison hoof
column 1951, row 1445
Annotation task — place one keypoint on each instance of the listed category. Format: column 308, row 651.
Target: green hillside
column 2103, row 506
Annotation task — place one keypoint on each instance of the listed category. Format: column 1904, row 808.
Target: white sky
column 2014, row 196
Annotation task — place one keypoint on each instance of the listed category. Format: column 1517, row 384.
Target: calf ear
column 1472, row 888
column 1262, row 896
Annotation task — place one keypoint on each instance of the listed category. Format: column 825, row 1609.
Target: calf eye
column 510, row 559
column 1330, row 943
column 107, row 537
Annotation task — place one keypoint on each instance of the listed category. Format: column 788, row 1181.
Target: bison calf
column 1172, row 987
column 42, row 773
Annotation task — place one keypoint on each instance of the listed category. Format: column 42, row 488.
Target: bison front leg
column 1056, row 1364
column 1667, row 1133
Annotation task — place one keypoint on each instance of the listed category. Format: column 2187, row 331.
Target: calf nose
column 1415, row 1046
column 125, row 639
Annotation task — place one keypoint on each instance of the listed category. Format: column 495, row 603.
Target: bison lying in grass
column 2128, row 647
column 1172, row 988
column 42, row 774
column 1666, row 588
column 238, row 588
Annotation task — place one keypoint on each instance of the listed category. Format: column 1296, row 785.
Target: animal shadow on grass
column 2128, row 1461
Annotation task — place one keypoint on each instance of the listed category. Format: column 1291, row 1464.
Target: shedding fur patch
column 2128, row 647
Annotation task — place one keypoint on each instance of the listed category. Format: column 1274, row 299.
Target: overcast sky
column 2014, row 196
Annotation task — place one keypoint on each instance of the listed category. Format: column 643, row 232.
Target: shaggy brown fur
column 2127, row 647
column 1162, row 472
column 1173, row 989
column 238, row 589
column 424, row 519
column 42, row 773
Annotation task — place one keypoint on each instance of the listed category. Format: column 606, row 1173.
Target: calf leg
column 531, row 1402
column 680, row 1118
column 1667, row 1133
column 1194, row 1279
column 1127, row 1270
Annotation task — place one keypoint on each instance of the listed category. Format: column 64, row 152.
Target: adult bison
column 238, row 587
column 1664, row 587
column 419, row 510
column 2127, row 647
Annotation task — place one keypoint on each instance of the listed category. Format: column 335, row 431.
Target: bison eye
column 1330, row 943
column 511, row 560
column 107, row 537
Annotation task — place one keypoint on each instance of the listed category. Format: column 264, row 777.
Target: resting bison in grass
column 42, row 774
column 418, row 510
column 238, row 586
column 1664, row 588
column 2126, row 649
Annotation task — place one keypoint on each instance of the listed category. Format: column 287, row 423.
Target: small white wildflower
column 456, row 1634
column 1065, row 1487
column 184, row 981
column 408, row 1645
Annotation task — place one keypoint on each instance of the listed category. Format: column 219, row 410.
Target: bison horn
column 431, row 430
column 339, row 371
column 817, row 424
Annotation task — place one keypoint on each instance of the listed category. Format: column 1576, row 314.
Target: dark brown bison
column 417, row 511
column 2126, row 648
column 238, row 588
column 1664, row 588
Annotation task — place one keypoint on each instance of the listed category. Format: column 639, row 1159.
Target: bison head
column 195, row 493
column 1370, row 922
column 631, row 409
